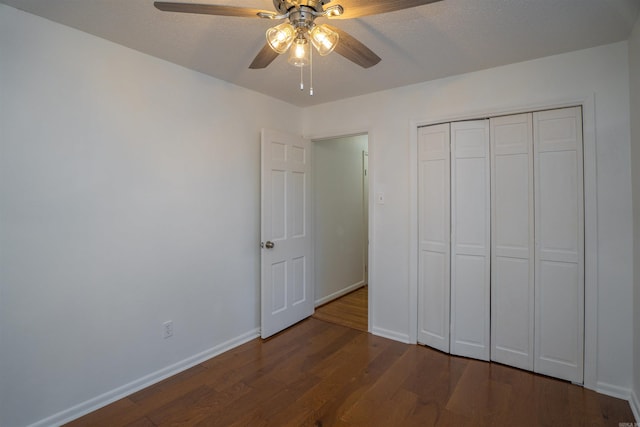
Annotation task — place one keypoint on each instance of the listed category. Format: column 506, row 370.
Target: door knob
column 269, row 245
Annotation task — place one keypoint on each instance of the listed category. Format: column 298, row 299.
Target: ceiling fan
column 299, row 30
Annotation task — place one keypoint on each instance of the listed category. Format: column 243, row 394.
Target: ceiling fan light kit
column 300, row 31
column 280, row 37
column 301, row 21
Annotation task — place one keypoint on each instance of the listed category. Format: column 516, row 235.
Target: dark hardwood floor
column 318, row 373
column 349, row 310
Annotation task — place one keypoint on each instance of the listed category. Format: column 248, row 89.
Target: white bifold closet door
column 559, row 243
column 512, row 244
column 470, row 239
column 434, row 236
column 501, row 223
column 454, row 227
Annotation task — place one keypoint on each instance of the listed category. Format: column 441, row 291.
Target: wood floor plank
column 387, row 386
column 141, row 422
column 167, row 384
column 319, row 373
column 102, row 417
column 349, row 310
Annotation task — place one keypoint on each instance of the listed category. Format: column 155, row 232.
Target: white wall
column 338, row 216
column 387, row 115
column 634, row 74
column 129, row 195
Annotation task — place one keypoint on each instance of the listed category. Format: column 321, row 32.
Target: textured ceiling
column 424, row 43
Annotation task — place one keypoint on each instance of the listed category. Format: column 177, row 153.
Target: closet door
column 434, row 232
column 512, row 245
column 470, row 239
column 559, row 252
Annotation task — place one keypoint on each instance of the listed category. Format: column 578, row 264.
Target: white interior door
column 512, row 226
column 286, row 261
column 470, row 239
column 559, row 251
column 434, row 236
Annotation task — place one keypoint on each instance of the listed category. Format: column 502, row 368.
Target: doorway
column 341, row 224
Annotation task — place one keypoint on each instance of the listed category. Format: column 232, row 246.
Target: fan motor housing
column 283, row 6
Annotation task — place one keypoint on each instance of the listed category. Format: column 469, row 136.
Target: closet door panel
column 512, row 186
column 559, row 304
column 512, row 244
column 511, row 341
column 470, row 239
column 559, row 254
column 434, row 236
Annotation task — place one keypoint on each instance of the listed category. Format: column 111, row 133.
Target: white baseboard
column 339, row 293
column 613, row 390
column 392, row 335
column 116, row 394
column 635, row 405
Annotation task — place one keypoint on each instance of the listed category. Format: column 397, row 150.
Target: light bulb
column 280, row 37
column 324, row 39
column 299, row 54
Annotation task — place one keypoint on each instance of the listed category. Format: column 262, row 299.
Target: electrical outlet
column 167, row 329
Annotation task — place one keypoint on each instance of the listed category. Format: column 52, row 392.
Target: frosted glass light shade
column 299, row 54
column 324, row 39
column 280, row 37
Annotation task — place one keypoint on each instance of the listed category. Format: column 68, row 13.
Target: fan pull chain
column 301, row 78
column 310, row 71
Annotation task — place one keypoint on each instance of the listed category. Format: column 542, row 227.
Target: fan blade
column 358, row 8
column 264, row 58
column 208, row 9
column 352, row 49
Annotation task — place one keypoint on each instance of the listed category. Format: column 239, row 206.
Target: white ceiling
column 424, row 43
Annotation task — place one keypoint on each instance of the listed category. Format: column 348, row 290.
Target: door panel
column 470, row 239
column 512, row 244
column 434, row 236
column 511, row 340
column 559, row 254
column 286, row 286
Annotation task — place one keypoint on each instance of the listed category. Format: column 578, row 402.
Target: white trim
column 111, row 396
column 392, row 335
column 635, row 405
column 587, row 102
column 590, row 171
column 413, row 231
column 339, row 293
column 613, row 391
column 371, row 277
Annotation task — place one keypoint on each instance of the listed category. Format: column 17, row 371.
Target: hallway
column 350, row 310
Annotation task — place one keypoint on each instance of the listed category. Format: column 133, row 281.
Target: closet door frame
column 587, row 102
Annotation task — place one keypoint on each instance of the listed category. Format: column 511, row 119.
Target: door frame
column 587, row 102
column 371, row 272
